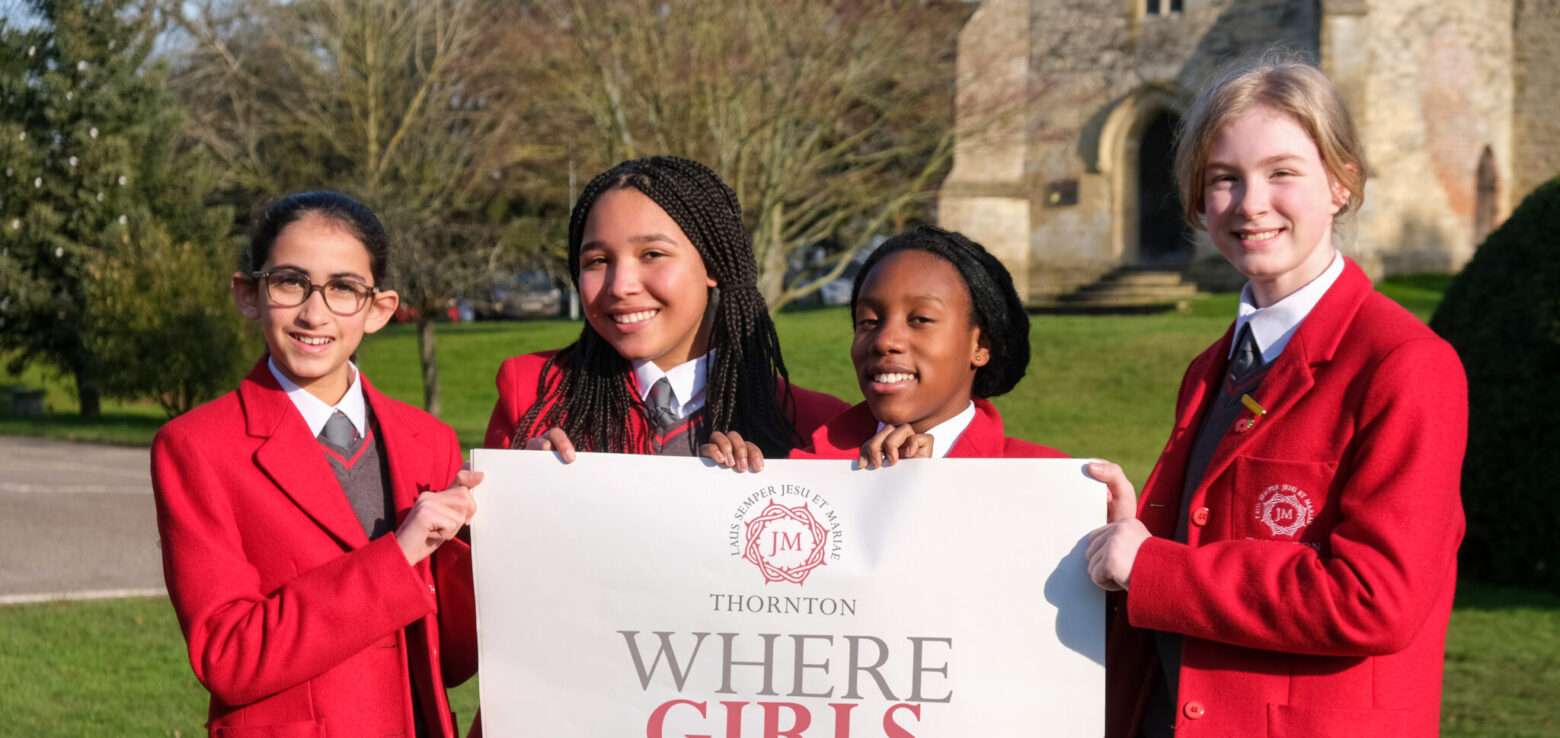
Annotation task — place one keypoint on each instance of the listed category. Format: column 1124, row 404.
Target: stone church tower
column 1067, row 111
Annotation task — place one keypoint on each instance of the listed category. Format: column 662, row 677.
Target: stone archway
column 1135, row 147
column 1484, row 202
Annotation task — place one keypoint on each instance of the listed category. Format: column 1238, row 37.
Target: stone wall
column 1437, row 93
column 1431, row 84
column 1098, row 73
column 986, row 194
column 1536, row 79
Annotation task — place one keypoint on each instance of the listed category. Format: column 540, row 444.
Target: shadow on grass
column 1428, row 282
column 1480, row 596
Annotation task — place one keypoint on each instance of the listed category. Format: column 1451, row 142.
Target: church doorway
column 1484, row 204
column 1164, row 240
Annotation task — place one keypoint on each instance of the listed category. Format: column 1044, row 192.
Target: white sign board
column 627, row 595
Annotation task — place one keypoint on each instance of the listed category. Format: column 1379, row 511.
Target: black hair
column 344, row 211
column 994, row 305
column 588, row 397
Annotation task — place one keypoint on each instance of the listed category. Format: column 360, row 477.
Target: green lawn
column 1098, row 386
column 119, row 668
column 108, row 668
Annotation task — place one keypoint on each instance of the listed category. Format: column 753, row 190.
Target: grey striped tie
column 1247, row 356
column 661, row 405
column 340, row 432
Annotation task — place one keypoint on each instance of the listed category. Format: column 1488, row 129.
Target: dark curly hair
column 344, row 211
column 994, row 304
column 588, row 397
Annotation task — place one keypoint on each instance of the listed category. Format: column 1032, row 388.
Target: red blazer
column 296, row 623
column 517, row 393
column 841, row 438
column 1317, row 579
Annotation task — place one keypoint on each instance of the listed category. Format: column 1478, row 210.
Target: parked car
column 527, row 294
column 837, row 292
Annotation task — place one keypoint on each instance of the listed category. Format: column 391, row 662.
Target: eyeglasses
column 288, row 288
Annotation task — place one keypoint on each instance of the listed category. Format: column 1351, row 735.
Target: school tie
column 1247, row 355
column 340, row 432
column 661, row 405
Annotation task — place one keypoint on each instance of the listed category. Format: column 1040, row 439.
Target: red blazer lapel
column 983, row 438
column 403, row 446
column 841, row 437
column 293, row 459
column 1197, row 387
column 1292, row 376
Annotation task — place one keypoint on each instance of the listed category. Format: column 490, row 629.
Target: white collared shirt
column 1275, row 324
column 947, row 433
column 687, row 380
column 314, row 410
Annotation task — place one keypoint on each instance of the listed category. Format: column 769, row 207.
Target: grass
column 118, row 667
column 1502, row 664
column 122, row 423
column 109, row 667
column 1097, row 386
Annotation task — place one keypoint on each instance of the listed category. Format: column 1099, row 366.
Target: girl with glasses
column 307, row 520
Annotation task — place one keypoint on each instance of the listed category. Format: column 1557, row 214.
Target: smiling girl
column 939, row 329
column 677, row 342
column 314, row 573
column 1291, row 565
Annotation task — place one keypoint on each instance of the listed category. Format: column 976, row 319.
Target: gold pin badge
column 1257, row 411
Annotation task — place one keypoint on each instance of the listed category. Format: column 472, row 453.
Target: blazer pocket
column 1291, row 721
column 283, row 730
column 1279, row 499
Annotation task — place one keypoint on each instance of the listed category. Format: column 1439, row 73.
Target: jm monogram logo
column 1285, row 509
column 785, row 543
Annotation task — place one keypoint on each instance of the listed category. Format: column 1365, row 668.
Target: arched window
column 1484, row 204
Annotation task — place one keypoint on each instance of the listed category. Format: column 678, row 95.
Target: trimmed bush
column 1502, row 313
column 167, row 329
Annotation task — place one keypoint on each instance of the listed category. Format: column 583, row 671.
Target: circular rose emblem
column 785, row 543
column 1285, row 509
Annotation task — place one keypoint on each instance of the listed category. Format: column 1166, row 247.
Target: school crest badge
column 1285, row 509
column 785, row 543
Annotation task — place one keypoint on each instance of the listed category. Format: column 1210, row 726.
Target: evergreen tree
column 93, row 185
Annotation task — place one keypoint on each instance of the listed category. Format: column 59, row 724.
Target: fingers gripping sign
column 437, row 516
column 553, row 440
column 730, row 450
column 1113, row 548
column 1122, row 500
column 892, row 443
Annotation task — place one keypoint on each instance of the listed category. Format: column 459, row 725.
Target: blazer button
column 1200, row 517
column 1193, row 710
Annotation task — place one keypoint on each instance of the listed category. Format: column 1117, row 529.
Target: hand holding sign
column 1113, row 547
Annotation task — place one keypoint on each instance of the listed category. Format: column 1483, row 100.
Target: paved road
column 78, row 521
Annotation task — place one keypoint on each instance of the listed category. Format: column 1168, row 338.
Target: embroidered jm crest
column 1285, row 509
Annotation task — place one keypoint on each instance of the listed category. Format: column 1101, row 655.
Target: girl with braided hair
column 677, row 341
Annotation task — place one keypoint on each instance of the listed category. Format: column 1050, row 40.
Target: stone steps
column 1124, row 290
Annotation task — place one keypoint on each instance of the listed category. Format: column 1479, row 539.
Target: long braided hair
column 588, row 396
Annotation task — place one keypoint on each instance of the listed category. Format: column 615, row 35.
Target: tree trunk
column 430, row 363
column 88, row 390
column 770, row 248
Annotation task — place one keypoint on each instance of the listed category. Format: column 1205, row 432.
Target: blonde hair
column 1296, row 89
